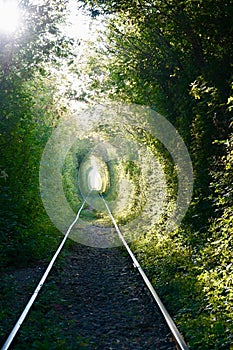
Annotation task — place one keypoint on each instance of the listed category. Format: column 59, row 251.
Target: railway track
column 178, row 339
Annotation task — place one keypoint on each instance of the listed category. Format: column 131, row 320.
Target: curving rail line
column 175, row 332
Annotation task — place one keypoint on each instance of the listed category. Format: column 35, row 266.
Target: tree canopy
column 172, row 56
column 176, row 57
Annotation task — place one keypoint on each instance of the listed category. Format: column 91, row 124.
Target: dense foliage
column 176, row 57
column 27, row 116
column 31, row 105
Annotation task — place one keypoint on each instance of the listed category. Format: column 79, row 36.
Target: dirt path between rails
column 94, row 299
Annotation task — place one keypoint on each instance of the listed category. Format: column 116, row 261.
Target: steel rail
column 175, row 332
column 40, row 284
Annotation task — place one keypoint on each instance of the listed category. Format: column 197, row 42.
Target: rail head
column 174, row 330
column 22, row 317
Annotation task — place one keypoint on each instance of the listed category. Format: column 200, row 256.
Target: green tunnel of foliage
column 175, row 57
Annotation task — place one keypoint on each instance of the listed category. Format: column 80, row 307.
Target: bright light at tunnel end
column 94, row 177
column 87, row 122
column 95, row 182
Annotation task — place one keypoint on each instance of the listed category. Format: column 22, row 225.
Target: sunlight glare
column 78, row 24
column 9, row 16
